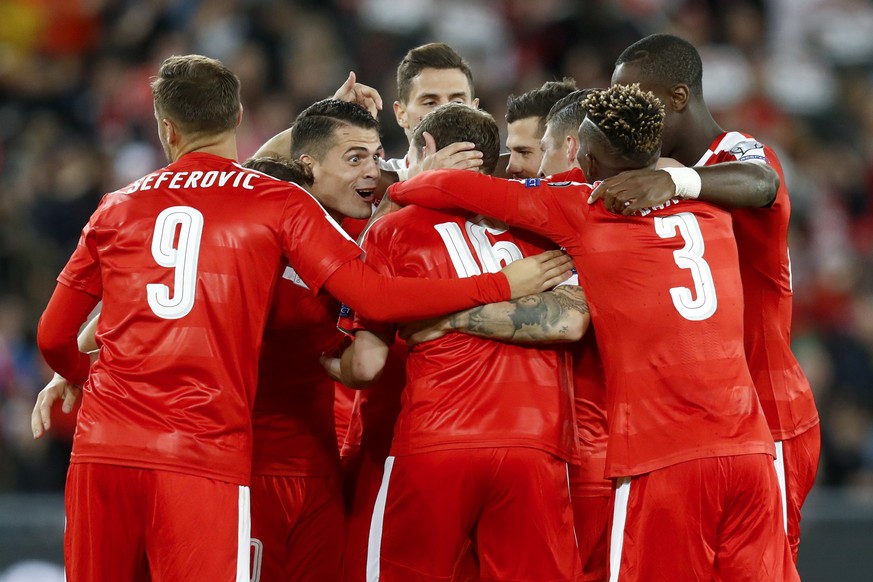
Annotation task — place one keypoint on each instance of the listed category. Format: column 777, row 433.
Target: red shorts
column 514, row 502
column 591, row 517
column 591, row 493
column 796, row 465
column 297, row 528
column 714, row 519
column 363, row 475
column 131, row 524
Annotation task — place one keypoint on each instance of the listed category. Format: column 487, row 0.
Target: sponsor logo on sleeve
column 531, row 182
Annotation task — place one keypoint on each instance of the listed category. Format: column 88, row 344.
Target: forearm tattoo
column 542, row 317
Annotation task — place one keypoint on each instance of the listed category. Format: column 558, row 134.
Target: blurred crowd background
column 76, row 121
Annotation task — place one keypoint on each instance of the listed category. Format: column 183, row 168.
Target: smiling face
column 348, row 173
column 430, row 89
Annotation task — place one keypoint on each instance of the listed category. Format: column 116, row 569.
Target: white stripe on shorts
column 374, row 544
column 244, row 536
column 779, row 465
column 619, row 517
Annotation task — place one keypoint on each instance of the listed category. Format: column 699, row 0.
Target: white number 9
column 182, row 257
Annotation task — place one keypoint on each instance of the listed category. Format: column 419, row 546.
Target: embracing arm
column 730, row 184
column 523, row 204
column 380, row 298
column 559, row 315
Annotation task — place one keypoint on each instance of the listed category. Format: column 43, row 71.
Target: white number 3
column 181, row 256
column 702, row 303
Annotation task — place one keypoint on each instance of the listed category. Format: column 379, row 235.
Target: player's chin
column 360, row 209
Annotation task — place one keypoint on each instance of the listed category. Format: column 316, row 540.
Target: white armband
column 687, row 182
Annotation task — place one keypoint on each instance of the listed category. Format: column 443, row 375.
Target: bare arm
column 559, row 315
column 361, row 364
column 730, row 184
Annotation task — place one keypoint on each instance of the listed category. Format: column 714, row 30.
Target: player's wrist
column 687, row 182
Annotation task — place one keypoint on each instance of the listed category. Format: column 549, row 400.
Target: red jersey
column 666, row 303
column 589, row 390
column 185, row 260
column 464, row 391
column 293, row 418
column 762, row 242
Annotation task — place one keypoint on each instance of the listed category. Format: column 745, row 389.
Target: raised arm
column 556, row 316
column 730, row 184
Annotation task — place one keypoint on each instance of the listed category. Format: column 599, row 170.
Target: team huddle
column 569, row 364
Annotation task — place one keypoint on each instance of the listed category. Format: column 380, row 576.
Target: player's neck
column 698, row 133
column 223, row 145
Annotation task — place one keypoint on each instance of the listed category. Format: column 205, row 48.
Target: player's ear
column 307, row 160
column 400, row 115
column 171, row 131
column 679, row 95
column 572, row 148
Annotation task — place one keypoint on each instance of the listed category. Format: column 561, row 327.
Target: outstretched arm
column 730, row 184
column 559, row 315
column 380, row 298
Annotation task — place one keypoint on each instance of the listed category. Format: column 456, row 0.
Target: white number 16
column 702, row 303
column 182, row 257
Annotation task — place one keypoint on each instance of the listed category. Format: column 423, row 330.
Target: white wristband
column 687, row 182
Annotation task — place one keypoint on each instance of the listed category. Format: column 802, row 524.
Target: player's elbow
column 766, row 185
column 576, row 326
column 362, row 373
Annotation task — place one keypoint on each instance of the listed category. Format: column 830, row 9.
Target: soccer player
column 737, row 171
column 482, row 440
column 560, row 142
column 185, row 260
column 429, row 76
column 526, row 122
column 298, row 515
column 688, row 441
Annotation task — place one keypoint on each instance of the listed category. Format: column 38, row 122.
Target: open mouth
column 366, row 195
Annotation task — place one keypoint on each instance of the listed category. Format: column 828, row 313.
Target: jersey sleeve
column 376, row 259
column 313, row 242
column 67, row 309
column 82, row 271
column 531, row 204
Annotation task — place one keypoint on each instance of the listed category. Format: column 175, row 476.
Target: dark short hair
column 538, row 102
column 631, row 120
column 667, row 59
column 436, row 55
column 199, row 94
column 455, row 122
column 313, row 130
column 567, row 114
column 282, row 169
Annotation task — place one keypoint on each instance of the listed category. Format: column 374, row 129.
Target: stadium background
column 76, row 121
